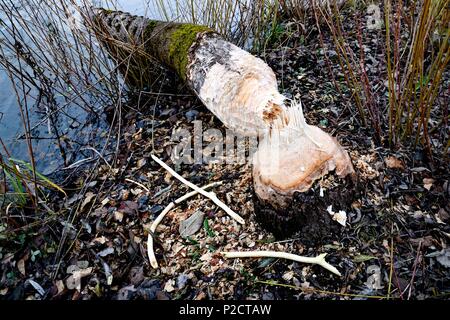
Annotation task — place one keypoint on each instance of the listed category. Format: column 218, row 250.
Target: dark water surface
column 46, row 150
column 85, row 129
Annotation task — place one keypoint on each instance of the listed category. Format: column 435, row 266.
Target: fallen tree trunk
column 241, row 90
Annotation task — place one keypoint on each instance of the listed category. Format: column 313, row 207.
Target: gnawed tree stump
column 241, row 90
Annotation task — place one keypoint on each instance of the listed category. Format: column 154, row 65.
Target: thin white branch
column 99, row 154
column 193, row 193
column 150, row 250
column 139, row 184
column 161, row 216
column 320, row 259
column 211, row 195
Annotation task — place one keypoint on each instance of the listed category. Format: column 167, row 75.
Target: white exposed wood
column 170, row 206
column 138, row 184
column 291, row 159
column 319, row 260
column 242, row 91
column 212, row 196
column 239, row 88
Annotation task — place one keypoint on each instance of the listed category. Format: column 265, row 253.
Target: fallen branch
column 320, row 259
column 211, row 195
column 150, row 250
column 138, row 184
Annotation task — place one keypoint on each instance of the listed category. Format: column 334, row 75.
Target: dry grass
column 246, row 23
column 415, row 83
column 55, row 66
column 417, row 53
column 58, row 69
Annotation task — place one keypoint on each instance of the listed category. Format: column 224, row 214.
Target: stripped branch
column 211, row 195
column 150, row 250
column 320, row 259
column 138, row 184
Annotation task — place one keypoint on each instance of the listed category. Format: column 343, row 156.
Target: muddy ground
column 395, row 243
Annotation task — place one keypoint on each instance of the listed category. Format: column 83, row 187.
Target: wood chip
column 394, row 163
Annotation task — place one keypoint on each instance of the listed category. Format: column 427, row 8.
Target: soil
column 306, row 216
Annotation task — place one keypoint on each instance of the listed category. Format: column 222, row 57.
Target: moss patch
column 181, row 40
column 149, row 29
column 108, row 11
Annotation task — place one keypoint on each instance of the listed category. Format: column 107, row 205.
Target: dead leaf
column 394, row 163
column 87, row 199
column 169, row 286
column 129, row 207
column 374, row 278
column 37, row 287
column 137, row 275
column 340, row 217
column 363, row 257
column 443, row 215
column 83, row 264
column 125, row 293
column 100, row 212
column 428, row 183
column 206, row 257
column 60, row 286
column 200, row 296
column 192, row 224
column 108, row 272
column 167, row 178
column 106, row 252
column 125, row 195
column 74, row 199
column 444, row 258
column 161, row 296
column 288, row 275
column 426, row 241
column 140, row 163
column 99, row 240
column 72, row 268
column 21, row 266
column 74, row 281
column 118, row 216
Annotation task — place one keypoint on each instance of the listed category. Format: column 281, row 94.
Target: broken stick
column 319, row 260
column 170, row 206
column 211, row 195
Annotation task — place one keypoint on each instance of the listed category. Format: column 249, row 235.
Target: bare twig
column 150, row 250
column 312, row 290
column 320, row 259
column 212, row 196
column 139, row 184
column 391, row 258
column 411, row 283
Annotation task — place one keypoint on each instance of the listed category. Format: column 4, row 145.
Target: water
column 47, row 153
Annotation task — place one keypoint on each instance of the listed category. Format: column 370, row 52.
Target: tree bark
column 242, row 91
